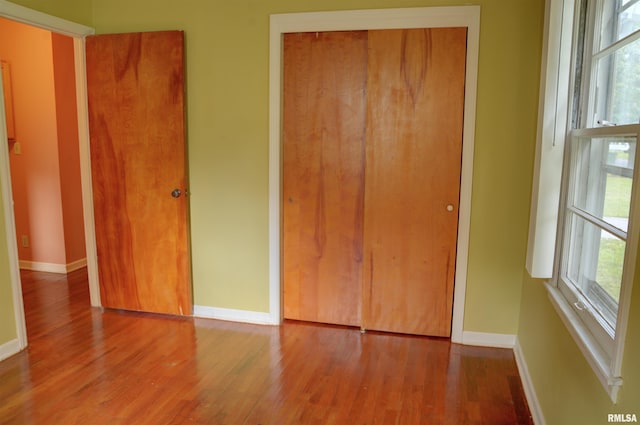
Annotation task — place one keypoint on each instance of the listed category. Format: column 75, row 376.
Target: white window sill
column 597, row 358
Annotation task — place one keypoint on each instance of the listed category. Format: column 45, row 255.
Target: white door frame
column 77, row 32
column 424, row 17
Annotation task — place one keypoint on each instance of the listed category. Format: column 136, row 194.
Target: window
column 596, row 219
column 597, row 238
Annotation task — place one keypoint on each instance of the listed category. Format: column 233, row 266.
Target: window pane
column 619, row 21
column 603, row 172
column 628, row 20
column 617, row 86
column 595, row 266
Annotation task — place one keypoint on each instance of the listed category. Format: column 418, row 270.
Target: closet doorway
column 372, row 153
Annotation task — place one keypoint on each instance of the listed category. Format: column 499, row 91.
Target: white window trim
column 542, row 262
column 599, row 361
column 606, row 362
column 553, row 110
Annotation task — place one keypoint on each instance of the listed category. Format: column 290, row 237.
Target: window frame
column 603, row 333
column 602, row 350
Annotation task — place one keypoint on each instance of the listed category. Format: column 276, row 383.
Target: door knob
column 450, row 207
column 176, row 193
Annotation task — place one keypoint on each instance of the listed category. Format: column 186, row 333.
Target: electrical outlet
column 25, row 241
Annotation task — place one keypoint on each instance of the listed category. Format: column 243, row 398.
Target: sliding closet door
column 414, row 144
column 323, row 175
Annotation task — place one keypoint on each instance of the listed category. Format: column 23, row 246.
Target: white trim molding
column 228, row 314
column 527, row 385
column 9, row 349
column 553, row 110
column 85, row 171
column 482, row 339
column 76, row 265
column 42, row 20
column 38, row 266
column 422, row 17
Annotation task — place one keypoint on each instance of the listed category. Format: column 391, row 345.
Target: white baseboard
column 527, row 384
column 8, row 349
column 233, row 315
column 76, row 265
column 488, row 339
column 38, row 266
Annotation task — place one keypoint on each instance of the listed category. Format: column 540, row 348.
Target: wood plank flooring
column 88, row 366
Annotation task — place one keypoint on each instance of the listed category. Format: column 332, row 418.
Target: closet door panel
column 413, row 158
column 323, row 175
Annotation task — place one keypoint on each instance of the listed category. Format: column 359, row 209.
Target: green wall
column 227, row 78
column 510, row 50
column 72, row 10
column 7, row 319
column 567, row 388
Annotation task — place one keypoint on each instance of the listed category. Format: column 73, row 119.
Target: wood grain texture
column 87, row 366
column 414, row 143
column 323, row 145
column 136, row 119
column 7, row 90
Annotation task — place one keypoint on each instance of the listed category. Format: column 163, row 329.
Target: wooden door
column 414, row 150
column 323, row 185
column 136, row 119
column 8, row 101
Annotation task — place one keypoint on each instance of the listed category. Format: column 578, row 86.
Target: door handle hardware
column 176, row 193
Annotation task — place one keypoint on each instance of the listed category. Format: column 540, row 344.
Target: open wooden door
column 135, row 88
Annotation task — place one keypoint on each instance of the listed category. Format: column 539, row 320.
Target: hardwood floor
column 88, row 366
